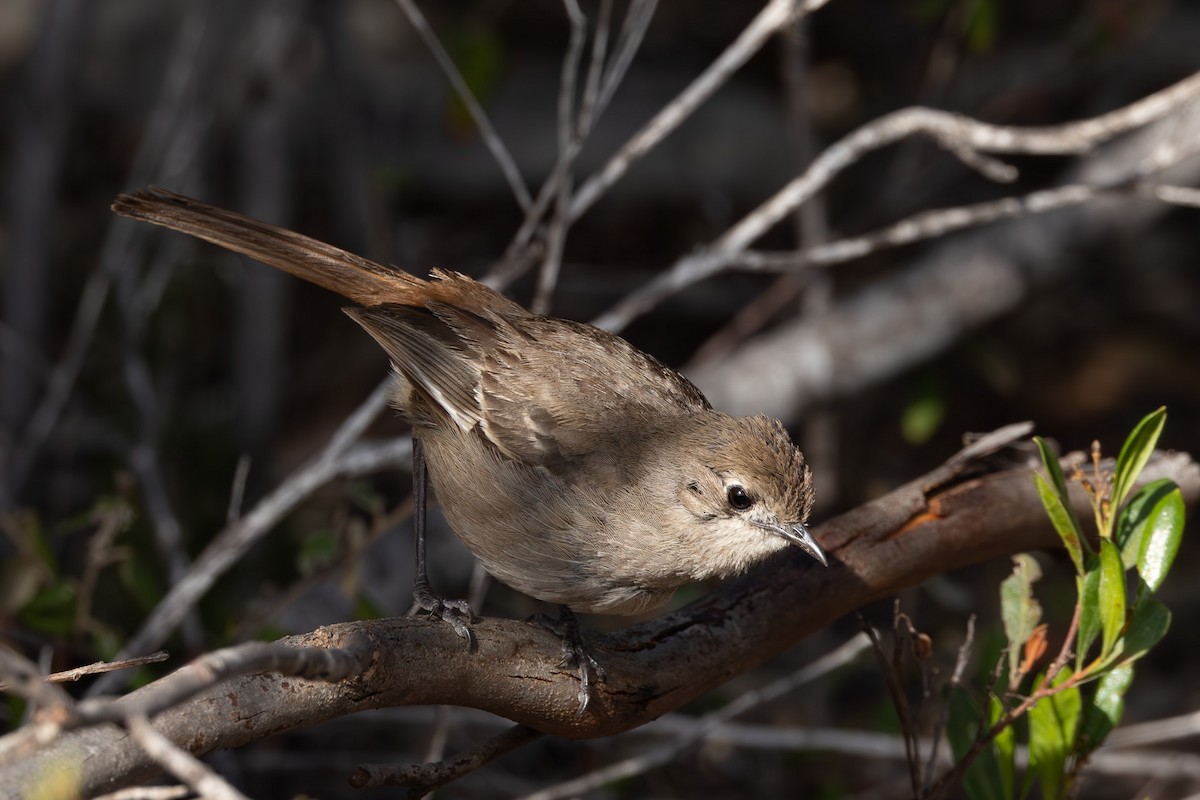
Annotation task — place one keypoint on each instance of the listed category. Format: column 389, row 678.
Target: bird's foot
column 456, row 613
column 574, row 653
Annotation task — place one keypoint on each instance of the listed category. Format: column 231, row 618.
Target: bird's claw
column 456, row 613
column 575, row 654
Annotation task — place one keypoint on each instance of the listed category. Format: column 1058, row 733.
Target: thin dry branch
column 704, row 727
column 893, row 677
column 340, row 458
column 424, row 778
column 956, row 285
column 166, row 146
column 347, row 660
column 1108, row 760
column 965, row 512
column 100, row 667
column 1184, row 726
column 958, row 134
column 180, row 763
column 524, row 249
column 776, row 15
column 940, row 222
column 633, row 30
column 492, row 139
column 568, row 148
column 149, row 793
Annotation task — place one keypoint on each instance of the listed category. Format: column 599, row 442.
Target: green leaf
column 1147, row 626
column 1006, row 746
column 982, row 25
column 1131, row 520
column 1160, row 539
column 962, row 725
column 1019, row 609
column 1111, row 595
column 35, row 538
column 924, row 413
column 1135, row 453
column 1053, row 722
column 318, row 550
column 480, row 57
column 982, row 780
column 1104, row 708
column 365, row 608
column 1063, row 520
column 52, row 610
column 1054, row 470
column 1088, row 586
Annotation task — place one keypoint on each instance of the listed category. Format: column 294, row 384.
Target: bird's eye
column 738, row 498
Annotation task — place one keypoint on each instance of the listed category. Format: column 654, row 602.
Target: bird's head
column 745, row 492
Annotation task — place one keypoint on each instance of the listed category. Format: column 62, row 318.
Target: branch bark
column 965, row 512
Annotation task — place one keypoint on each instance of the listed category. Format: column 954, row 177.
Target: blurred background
column 145, row 379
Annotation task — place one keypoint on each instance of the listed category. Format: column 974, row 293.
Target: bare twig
column 666, row 753
column 811, row 230
column 567, row 141
column 143, row 453
column 167, row 145
column 633, row 30
column 251, row 658
column 591, row 86
column 424, row 778
column 111, row 520
column 903, row 318
column 492, row 139
column 148, row 793
column 522, row 251
column 903, row 633
column 1176, row 195
column 1183, row 726
column 359, row 420
column 100, row 667
column 238, row 491
column 180, row 763
column 874, row 745
column 21, row 676
column 51, row 708
column 229, row 545
column 939, row 222
column 774, row 16
column 35, row 150
column 939, row 727
column 819, row 434
column 772, row 736
column 944, row 127
column 569, row 74
column 893, row 678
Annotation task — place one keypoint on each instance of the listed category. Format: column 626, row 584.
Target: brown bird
column 577, row 469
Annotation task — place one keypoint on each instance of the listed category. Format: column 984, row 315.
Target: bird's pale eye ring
column 738, row 498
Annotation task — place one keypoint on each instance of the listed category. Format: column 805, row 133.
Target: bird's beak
column 798, row 535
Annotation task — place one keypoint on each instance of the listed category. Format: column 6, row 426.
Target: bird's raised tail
column 351, row 276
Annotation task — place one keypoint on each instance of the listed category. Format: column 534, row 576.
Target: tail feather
column 351, row 276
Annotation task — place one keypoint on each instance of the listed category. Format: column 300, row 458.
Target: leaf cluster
column 1074, row 703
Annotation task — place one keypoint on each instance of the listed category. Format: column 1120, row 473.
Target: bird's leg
column 424, row 598
column 574, row 652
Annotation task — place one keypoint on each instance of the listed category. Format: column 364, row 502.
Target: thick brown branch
column 964, row 513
